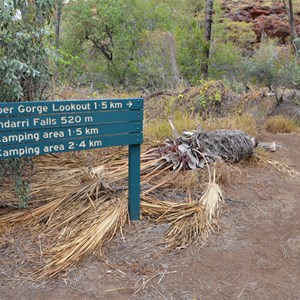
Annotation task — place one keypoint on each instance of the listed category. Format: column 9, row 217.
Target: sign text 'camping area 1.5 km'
column 33, row 128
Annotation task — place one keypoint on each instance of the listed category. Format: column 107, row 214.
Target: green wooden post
column 134, row 186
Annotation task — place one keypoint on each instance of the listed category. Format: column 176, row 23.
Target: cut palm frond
column 212, row 197
column 279, row 166
column 187, row 220
column 88, row 233
column 81, row 207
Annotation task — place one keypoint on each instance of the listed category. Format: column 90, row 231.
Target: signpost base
column 134, row 186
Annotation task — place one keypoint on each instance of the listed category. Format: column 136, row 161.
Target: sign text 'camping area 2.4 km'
column 34, row 128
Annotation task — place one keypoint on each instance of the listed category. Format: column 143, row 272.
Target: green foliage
column 225, row 61
column 108, row 31
column 24, row 55
column 18, row 170
column 68, row 66
column 229, row 40
column 264, row 68
column 295, row 73
column 190, row 45
column 206, row 98
column 119, row 41
column 24, row 67
column 271, row 67
column 124, row 43
column 210, row 97
column 208, row 93
column 240, row 34
column 157, row 65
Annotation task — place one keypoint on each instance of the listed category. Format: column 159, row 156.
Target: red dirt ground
column 255, row 254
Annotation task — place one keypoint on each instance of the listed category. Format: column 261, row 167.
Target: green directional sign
column 45, row 127
column 68, row 106
column 59, row 133
column 33, row 149
column 68, row 120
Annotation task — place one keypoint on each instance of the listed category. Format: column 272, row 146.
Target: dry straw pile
column 78, row 204
column 76, row 209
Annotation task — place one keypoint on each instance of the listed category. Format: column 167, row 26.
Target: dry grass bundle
column 87, row 191
column 244, row 122
column 73, row 226
column 80, row 211
column 48, row 164
column 64, row 180
column 166, row 211
column 6, row 200
column 212, row 197
column 187, row 220
column 61, row 174
column 186, row 230
column 90, row 228
column 227, row 174
column 279, row 166
column 281, row 124
column 191, row 180
column 53, row 175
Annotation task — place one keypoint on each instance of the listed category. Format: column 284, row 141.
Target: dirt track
column 255, row 255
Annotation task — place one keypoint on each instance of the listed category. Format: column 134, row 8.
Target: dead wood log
column 229, row 145
column 196, row 148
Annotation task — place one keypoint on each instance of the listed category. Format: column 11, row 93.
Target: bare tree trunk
column 207, row 33
column 292, row 21
column 58, row 22
column 290, row 13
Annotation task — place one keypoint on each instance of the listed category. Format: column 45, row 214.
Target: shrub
column 225, row 61
column 158, row 130
column 24, row 52
column 271, row 68
column 281, row 124
column 190, row 45
column 242, row 122
column 241, row 34
column 24, row 68
column 157, row 66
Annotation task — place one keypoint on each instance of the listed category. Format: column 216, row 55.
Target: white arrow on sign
column 129, row 104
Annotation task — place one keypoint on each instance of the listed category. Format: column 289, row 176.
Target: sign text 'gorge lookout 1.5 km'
column 44, row 127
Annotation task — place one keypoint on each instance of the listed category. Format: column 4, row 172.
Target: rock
column 273, row 26
column 243, row 15
column 258, row 11
column 271, row 21
column 278, row 8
